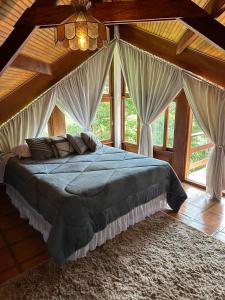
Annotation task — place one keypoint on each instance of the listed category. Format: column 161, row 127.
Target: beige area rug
column 159, row 258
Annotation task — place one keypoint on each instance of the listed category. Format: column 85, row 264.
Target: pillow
column 22, row 151
column 40, row 148
column 77, row 143
column 91, row 141
column 61, row 146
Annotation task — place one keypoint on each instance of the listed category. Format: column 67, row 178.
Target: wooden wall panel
column 57, row 123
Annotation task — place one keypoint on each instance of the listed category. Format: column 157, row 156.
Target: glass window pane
column 158, row 130
column 45, row 131
column 171, row 124
column 126, row 90
column 106, row 89
column 102, row 124
column 198, row 156
column 72, row 127
column 130, row 122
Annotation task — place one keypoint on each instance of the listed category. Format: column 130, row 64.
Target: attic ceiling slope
column 202, row 65
column 41, row 48
column 26, row 93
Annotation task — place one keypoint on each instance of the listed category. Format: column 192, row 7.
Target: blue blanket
column 80, row 194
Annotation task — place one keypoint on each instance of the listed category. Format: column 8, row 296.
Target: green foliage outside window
column 171, row 124
column 158, row 130
column 102, row 126
column 198, row 138
column 130, row 122
column 72, row 127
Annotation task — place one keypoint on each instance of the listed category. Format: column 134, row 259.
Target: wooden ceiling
column 39, row 54
column 175, row 30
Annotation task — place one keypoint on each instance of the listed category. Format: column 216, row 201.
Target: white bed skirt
column 121, row 224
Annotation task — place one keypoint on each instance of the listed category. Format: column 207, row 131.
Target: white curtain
column 30, row 122
column 79, row 93
column 152, row 84
column 208, row 105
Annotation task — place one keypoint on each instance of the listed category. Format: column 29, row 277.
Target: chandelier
column 81, row 30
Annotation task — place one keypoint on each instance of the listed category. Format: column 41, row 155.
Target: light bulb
column 82, row 43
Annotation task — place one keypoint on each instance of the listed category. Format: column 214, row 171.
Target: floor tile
column 218, row 207
column 6, row 209
column 191, row 210
column 10, row 221
column 2, row 243
column 6, row 275
column 7, row 260
column 210, row 230
column 19, row 233
column 28, row 248
column 34, row 261
column 220, row 236
column 201, row 201
column 211, row 219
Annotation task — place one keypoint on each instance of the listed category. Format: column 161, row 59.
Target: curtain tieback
column 221, row 147
column 145, row 124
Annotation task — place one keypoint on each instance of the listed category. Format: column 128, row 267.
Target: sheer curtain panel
column 80, row 92
column 152, row 83
column 28, row 123
column 208, row 105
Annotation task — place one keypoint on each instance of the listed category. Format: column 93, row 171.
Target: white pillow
column 22, row 151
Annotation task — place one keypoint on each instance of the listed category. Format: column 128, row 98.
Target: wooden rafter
column 17, row 39
column 24, row 94
column 46, row 14
column 31, row 64
column 214, row 8
column 208, row 28
column 202, row 65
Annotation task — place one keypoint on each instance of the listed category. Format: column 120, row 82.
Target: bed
column 80, row 201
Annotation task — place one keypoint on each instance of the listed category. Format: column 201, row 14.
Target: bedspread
column 80, row 194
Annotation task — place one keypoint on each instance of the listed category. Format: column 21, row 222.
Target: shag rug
column 159, row 258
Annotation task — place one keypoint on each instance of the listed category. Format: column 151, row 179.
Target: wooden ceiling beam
column 202, row 65
column 114, row 12
column 208, row 28
column 26, row 93
column 143, row 11
column 218, row 8
column 31, row 64
column 214, row 8
column 12, row 46
column 17, row 39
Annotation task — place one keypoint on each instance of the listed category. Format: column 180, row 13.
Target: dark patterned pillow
column 77, row 143
column 61, row 146
column 40, row 148
column 91, row 141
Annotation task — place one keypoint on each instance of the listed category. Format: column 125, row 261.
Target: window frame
column 164, row 147
column 110, row 98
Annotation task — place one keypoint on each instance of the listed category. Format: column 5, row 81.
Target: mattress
column 81, row 194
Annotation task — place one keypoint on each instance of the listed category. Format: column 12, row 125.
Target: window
column 45, row 131
column 72, row 127
column 162, row 127
column 103, row 124
column 198, row 154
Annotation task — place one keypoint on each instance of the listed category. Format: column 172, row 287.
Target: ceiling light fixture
column 81, row 30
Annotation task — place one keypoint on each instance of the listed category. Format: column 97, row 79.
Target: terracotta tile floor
column 22, row 247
